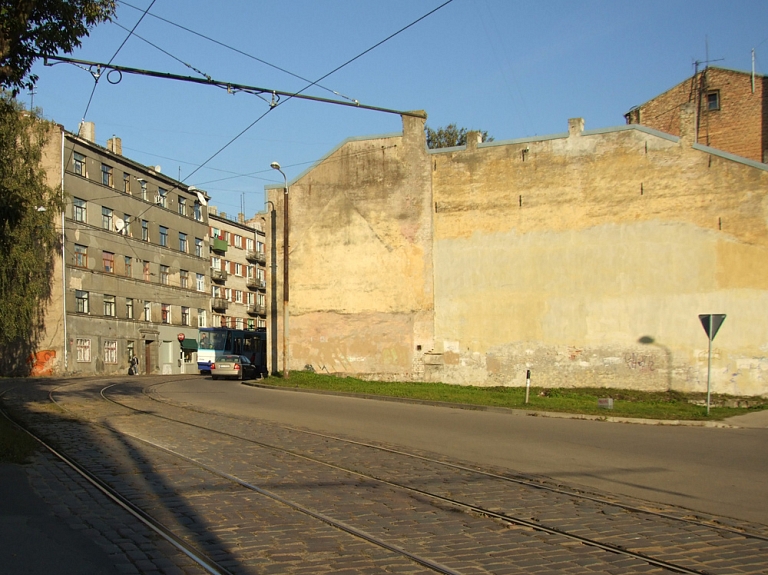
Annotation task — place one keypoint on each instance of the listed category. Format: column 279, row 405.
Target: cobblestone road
column 320, row 504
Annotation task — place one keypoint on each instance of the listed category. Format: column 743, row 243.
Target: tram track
column 110, row 392
column 519, row 521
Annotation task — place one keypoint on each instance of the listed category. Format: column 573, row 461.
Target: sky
column 516, row 69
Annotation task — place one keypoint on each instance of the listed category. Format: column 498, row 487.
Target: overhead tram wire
column 242, row 53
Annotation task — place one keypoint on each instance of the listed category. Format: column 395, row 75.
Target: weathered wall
column 360, row 260
column 560, row 258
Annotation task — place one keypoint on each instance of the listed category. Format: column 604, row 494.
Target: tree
column 450, row 136
column 30, row 29
column 29, row 240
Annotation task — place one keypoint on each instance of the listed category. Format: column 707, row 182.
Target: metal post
column 527, row 384
column 709, row 363
column 286, row 228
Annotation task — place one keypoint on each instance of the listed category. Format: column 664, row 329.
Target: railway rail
column 419, row 512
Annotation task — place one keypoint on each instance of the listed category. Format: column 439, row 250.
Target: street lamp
column 276, row 166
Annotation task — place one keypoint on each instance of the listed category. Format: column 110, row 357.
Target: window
column 126, row 183
column 162, row 197
column 262, row 299
column 198, row 212
column 129, row 308
column 238, row 269
column 228, row 294
column 145, row 230
column 130, row 349
column 249, row 271
column 109, row 262
column 166, row 313
column 79, row 210
column 185, row 315
column 260, row 274
column 110, row 351
column 182, row 206
column 713, row 100
column 201, row 318
column 106, row 218
column 183, row 278
column 80, row 166
column 238, row 241
column 249, row 244
column 198, row 247
column 147, row 311
column 143, row 184
column 109, row 305
column 164, row 271
column 127, row 224
column 106, row 175
column 250, row 324
column 128, row 266
column 215, row 291
column 83, row 350
column 81, row 301
column 163, row 236
column 215, row 263
column 146, row 271
column 215, row 233
column 239, row 323
column 260, row 247
column 200, row 278
column 261, row 323
column 81, row 256
column 238, row 296
column 182, row 242
column 249, row 298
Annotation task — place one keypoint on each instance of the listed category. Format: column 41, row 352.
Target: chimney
column 687, row 125
column 241, row 218
column 213, row 210
column 473, row 139
column 575, row 126
column 88, row 131
column 115, row 145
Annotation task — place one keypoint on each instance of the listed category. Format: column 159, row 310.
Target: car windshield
column 244, row 360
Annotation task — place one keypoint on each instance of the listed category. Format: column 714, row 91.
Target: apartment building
column 238, row 272
column 135, row 276
column 731, row 111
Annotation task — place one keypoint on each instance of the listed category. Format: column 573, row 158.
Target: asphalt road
column 710, row 470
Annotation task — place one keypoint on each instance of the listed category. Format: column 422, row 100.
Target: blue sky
column 514, row 68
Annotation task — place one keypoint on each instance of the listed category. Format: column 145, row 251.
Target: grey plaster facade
column 136, row 251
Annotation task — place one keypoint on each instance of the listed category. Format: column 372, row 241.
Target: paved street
column 719, row 471
column 270, row 481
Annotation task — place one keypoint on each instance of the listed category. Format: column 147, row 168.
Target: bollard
column 527, row 384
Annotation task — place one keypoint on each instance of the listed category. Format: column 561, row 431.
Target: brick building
column 732, row 111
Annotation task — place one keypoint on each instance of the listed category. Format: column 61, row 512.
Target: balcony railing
column 255, row 256
column 256, row 283
column 219, row 303
column 218, row 275
column 257, row 309
column 218, row 245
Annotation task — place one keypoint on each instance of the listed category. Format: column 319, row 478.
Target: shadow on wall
column 648, row 340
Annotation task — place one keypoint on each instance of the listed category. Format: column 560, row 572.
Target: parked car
column 233, row 366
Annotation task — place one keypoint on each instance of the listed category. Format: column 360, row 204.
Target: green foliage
column 450, row 136
column 627, row 403
column 30, row 29
column 28, row 236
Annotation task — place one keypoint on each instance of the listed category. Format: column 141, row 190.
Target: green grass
column 15, row 445
column 627, row 403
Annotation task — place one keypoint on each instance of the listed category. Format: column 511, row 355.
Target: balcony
column 218, row 245
column 257, row 257
column 219, row 303
column 256, row 283
column 257, row 309
column 218, row 275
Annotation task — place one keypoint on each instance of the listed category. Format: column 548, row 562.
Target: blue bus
column 217, row 341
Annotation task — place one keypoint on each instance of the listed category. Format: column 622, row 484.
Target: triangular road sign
column 711, row 323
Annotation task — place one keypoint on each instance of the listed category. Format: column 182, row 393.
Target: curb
column 508, row 410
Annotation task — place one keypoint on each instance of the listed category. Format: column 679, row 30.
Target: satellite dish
column 120, row 226
column 201, row 198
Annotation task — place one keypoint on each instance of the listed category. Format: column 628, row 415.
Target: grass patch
column 15, row 445
column 626, row 403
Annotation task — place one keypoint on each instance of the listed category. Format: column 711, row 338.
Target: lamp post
column 286, row 372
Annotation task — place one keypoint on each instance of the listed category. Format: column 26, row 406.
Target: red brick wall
column 740, row 126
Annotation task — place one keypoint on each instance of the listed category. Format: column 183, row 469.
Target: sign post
column 711, row 323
